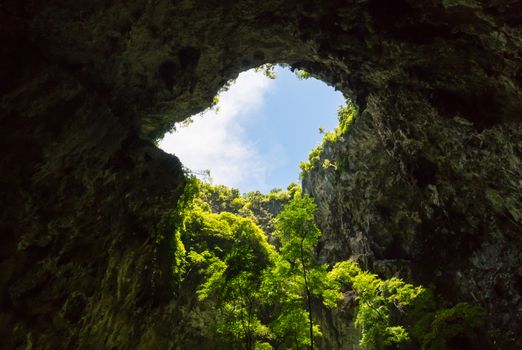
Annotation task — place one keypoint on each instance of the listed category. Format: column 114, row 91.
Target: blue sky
column 260, row 132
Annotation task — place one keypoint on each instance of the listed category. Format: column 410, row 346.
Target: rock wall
column 86, row 86
column 433, row 200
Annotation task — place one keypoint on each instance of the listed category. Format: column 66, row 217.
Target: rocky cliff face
column 86, row 254
column 433, row 207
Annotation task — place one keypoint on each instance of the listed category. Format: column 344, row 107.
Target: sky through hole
column 260, row 131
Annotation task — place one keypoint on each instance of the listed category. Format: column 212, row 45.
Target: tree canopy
column 251, row 294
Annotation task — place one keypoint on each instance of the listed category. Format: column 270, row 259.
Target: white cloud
column 216, row 141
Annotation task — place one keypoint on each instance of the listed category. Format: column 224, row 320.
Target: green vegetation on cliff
column 245, row 293
column 346, row 114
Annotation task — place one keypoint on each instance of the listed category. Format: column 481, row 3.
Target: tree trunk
column 308, row 297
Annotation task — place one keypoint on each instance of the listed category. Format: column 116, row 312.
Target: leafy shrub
column 377, row 301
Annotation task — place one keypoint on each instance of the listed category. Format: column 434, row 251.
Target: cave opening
column 236, row 238
column 260, row 127
column 84, row 192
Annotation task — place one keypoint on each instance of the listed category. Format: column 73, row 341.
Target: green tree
column 244, row 284
column 298, row 233
column 392, row 312
column 296, row 278
column 227, row 254
column 379, row 300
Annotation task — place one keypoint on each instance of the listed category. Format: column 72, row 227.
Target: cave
column 433, row 176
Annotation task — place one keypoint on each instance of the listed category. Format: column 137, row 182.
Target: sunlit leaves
column 214, row 280
column 296, row 276
column 258, row 297
column 378, row 299
column 346, row 115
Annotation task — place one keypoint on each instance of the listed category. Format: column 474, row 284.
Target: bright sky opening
column 260, row 131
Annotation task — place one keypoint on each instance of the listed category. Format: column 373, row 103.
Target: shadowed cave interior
column 429, row 188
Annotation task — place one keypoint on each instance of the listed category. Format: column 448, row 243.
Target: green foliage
column 392, row 312
column 176, row 217
column 267, row 69
column 252, row 296
column 328, row 164
column 295, row 227
column 378, row 300
column 346, row 115
column 296, row 277
column 437, row 328
column 302, row 74
column 258, row 207
column 224, row 254
column 263, row 346
column 221, row 198
column 278, row 195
